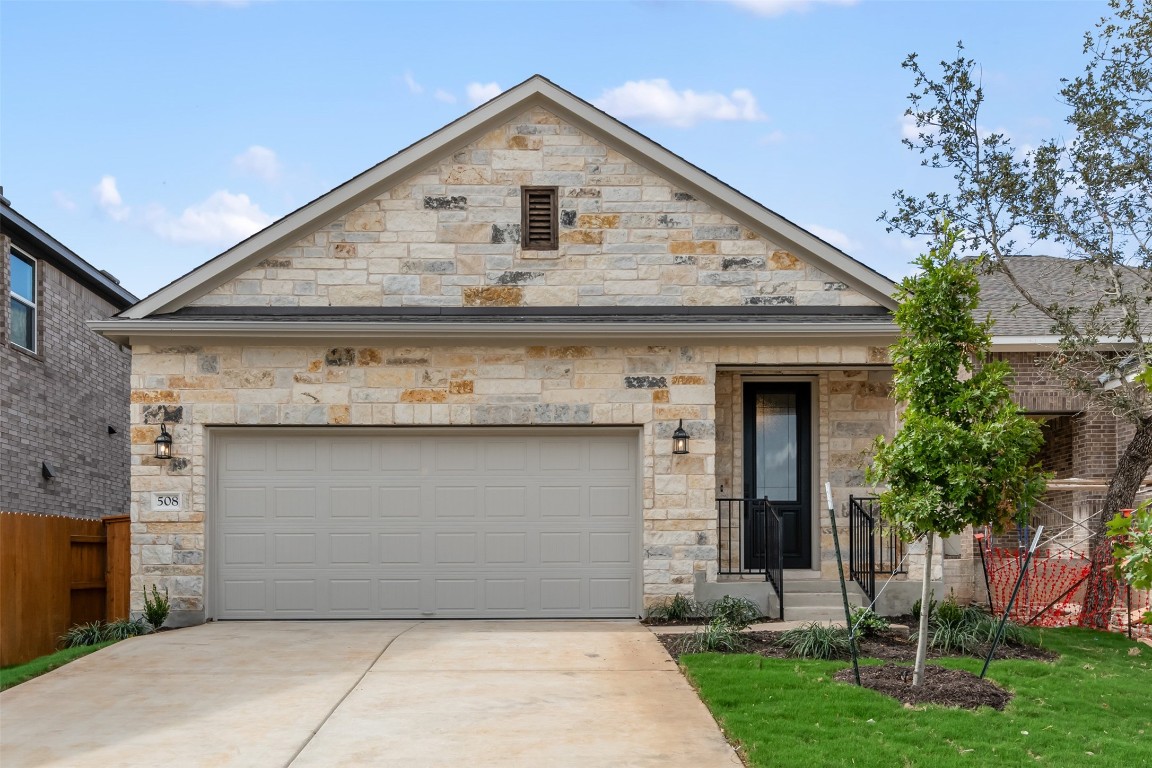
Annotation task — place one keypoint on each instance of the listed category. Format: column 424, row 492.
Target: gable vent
column 539, row 223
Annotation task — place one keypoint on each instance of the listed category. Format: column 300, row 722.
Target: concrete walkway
column 386, row 693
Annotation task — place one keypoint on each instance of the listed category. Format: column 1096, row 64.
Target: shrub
column 156, row 608
column 867, row 623
column 96, row 632
column 815, row 641
column 125, row 628
column 737, row 612
column 676, row 608
column 91, row 633
column 717, row 636
column 916, row 608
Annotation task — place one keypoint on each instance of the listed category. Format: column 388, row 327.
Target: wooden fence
column 56, row 572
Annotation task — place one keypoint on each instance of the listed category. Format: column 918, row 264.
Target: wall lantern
column 163, row 443
column 680, row 440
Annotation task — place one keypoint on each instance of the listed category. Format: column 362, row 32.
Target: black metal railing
column 873, row 547
column 751, row 541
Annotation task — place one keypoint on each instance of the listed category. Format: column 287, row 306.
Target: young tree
column 1092, row 195
column 963, row 454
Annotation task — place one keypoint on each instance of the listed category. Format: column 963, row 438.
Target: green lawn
column 14, row 675
column 1092, row 707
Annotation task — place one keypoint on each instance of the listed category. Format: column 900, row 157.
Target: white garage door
column 415, row 524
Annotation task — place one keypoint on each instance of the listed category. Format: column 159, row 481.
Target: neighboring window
column 539, row 222
column 22, row 297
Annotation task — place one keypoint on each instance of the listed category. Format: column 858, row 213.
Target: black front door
column 777, row 463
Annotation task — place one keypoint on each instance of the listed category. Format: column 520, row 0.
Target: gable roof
column 1052, row 280
column 537, row 91
column 41, row 245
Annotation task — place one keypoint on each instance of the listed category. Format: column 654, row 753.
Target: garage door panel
column 457, row 456
column 295, row 596
column 561, row 501
column 295, row 456
column 294, row 549
column 505, row 526
column 506, row 501
column 558, row 455
column 399, row 596
column 558, row 548
column 350, row 549
column 400, row 501
column 400, row 456
column 245, row 597
column 452, row 549
column 244, row 502
column 610, row 594
column 506, row 548
column 352, row 501
column 351, row 456
column 295, row 501
column 455, row 595
column 351, row 597
column 610, row 455
column 245, row 548
column 610, row 501
column 457, row 501
column 400, row 548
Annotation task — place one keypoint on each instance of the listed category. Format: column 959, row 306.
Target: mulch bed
column 946, row 687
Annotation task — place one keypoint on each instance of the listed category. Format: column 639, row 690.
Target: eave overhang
column 150, row 331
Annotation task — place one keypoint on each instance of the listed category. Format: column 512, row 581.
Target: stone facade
column 451, row 237
column 57, row 405
column 652, row 387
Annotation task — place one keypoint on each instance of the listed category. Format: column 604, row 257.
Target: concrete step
column 804, row 613
column 798, row 586
column 821, row 599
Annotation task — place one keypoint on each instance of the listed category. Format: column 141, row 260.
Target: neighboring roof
column 27, row 236
column 1051, row 280
column 536, row 91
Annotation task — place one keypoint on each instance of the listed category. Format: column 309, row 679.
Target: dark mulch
column 887, row 646
column 945, row 687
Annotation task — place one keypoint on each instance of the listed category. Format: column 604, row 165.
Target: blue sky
column 150, row 136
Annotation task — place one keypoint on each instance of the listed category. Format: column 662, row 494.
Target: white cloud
column 775, row 137
column 781, row 7
column 444, row 96
column 109, row 200
column 223, row 219
column 258, row 161
column 63, row 201
column 413, row 86
column 658, row 100
column 835, row 237
column 908, row 129
column 478, row 93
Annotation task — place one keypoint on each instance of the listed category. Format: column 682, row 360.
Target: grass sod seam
column 1091, row 707
column 19, row 673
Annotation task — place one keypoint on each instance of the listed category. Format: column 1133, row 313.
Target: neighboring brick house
column 1083, row 440
column 449, row 387
column 64, row 421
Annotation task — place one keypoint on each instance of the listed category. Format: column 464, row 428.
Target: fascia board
column 1045, row 343
column 125, row 331
column 533, row 92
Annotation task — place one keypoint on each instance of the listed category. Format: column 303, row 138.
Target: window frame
column 554, row 224
column 33, row 305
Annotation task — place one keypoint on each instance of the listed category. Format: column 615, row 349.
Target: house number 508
column 167, row 502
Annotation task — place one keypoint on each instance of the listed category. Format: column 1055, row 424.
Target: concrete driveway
column 379, row 693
